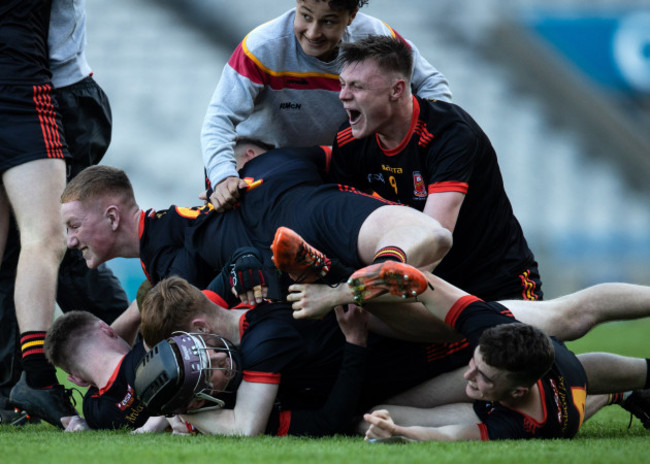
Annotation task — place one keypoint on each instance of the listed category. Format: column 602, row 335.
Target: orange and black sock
column 38, row 371
column 390, row 253
column 617, row 398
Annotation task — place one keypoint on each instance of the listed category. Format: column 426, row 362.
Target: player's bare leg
column 422, row 239
column 5, row 209
column 33, row 190
column 571, row 316
column 613, row 373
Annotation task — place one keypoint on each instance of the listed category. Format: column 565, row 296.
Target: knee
column 45, row 241
column 444, row 240
column 575, row 322
column 437, row 244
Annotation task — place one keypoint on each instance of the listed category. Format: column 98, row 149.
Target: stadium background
column 561, row 87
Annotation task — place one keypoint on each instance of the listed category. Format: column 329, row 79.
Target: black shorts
column 525, row 285
column 328, row 217
column 30, row 125
column 395, row 366
column 87, row 122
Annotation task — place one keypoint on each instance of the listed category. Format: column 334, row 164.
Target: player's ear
column 112, row 213
column 519, row 392
column 199, row 324
column 398, row 88
column 107, row 329
column 79, row 381
column 352, row 16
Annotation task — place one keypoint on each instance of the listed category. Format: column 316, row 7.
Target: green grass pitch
column 603, row 439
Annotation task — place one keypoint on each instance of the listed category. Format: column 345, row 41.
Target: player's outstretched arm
column 248, row 418
column 382, row 426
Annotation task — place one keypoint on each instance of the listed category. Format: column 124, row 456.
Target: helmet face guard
column 179, row 370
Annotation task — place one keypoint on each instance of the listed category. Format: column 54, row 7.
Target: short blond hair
column 99, row 181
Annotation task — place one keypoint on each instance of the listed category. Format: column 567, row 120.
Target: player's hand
column 381, row 425
column 353, row 322
column 155, row 424
column 74, row 424
column 226, row 193
column 180, row 427
column 247, row 277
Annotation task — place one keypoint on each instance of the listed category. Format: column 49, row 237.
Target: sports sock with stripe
column 390, row 253
column 39, row 372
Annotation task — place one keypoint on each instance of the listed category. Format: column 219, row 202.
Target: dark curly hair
column 348, row 5
column 524, row 351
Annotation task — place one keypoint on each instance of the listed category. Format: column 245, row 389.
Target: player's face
column 319, row 28
column 485, row 382
column 88, row 230
column 365, row 94
column 222, row 370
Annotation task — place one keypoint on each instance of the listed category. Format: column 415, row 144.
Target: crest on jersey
column 419, row 187
column 128, row 399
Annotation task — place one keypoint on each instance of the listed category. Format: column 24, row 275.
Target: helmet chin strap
column 218, row 404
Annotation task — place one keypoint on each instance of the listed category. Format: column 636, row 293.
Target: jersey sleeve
column 338, row 413
column 451, row 160
column 232, row 101
column 268, row 351
column 105, row 412
column 499, row 423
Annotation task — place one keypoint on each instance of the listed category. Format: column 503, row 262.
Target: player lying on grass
column 103, row 358
column 270, row 345
column 171, row 312
column 567, row 318
column 295, row 379
column 521, row 383
column 95, row 356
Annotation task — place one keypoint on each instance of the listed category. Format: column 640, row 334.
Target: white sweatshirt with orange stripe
column 272, row 91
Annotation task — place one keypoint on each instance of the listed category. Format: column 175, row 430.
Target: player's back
column 286, row 168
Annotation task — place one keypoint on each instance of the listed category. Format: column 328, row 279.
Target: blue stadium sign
column 612, row 48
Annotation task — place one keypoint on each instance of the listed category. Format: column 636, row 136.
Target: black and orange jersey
column 285, row 188
column 169, row 244
column 446, row 151
column 304, row 358
column 307, row 359
column 563, row 390
column 115, row 405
